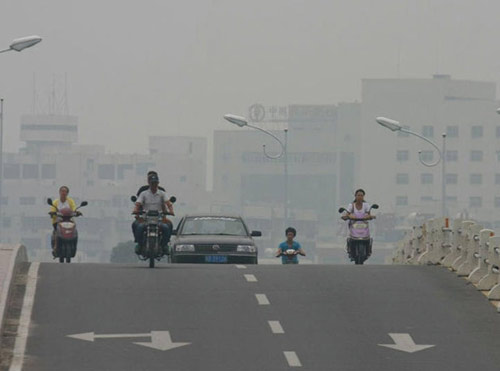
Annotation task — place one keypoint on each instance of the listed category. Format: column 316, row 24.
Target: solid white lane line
column 24, row 320
column 250, row 278
column 241, row 266
column 262, row 299
column 293, row 360
column 276, row 327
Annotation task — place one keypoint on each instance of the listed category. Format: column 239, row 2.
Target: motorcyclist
column 61, row 203
column 290, row 244
column 145, row 188
column 358, row 209
column 152, row 199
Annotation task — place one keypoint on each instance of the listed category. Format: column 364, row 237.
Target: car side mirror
column 256, row 234
column 84, row 203
column 174, row 232
column 133, row 198
column 49, row 201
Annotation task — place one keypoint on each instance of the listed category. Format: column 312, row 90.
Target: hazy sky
column 157, row 67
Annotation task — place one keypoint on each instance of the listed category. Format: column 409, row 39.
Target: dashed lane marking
column 250, row 278
column 292, row 359
column 262, row 299
column 276, row 327
column 241, row 266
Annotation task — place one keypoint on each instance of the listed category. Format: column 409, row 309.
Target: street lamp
column 396, row 126
column 22, row 43
column 241, row 122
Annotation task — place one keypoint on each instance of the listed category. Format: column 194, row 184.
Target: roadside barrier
column 11, row 256
column 463, row 246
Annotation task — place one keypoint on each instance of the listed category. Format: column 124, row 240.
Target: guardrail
column 463, row 246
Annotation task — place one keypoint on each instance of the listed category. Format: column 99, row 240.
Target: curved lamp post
column 23, row 43
column 241, row 122
column 394, row 125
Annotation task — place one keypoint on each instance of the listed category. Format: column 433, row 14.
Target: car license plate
column 215, row 259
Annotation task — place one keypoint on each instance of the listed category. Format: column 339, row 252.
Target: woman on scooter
column 358, row 210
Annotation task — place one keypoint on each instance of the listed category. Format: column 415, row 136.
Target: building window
column 11, row 171
column 497, row 201
column 476, row 132
column 426, row 178
column 90, row 164
column 497, row 178
column 451, row 178
column 27, row 200
column 475, row 201
column 451, row 199
column 476, row 179
column 498, row 131
column 426, row 199
column 182, row 179
column 428, row 131
column 402, row 178
column 48, row 171
column 401, row 200
column 452, row 131
column 402, row 155
column 4, row 200
column 30, row 171
column 451, row 156
column 106, row 171
column 476, row 155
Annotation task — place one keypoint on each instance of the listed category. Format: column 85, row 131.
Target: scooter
column 65, row 237
column 152, row 250
column 359, row 242
column 289, row 254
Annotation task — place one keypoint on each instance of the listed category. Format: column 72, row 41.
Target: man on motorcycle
column 290, row 244
column 358, row 209
column 152, row 199
column 169, row 204
column 61, row 203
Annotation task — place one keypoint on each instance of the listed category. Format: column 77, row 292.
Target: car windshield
column 214, row 225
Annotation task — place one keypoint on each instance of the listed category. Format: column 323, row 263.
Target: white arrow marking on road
column 160, row 340
column 405, row 343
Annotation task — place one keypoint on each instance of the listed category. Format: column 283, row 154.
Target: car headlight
column 184, row 247
column 246, row 248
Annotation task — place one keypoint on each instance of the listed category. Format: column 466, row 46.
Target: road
column 315, row 317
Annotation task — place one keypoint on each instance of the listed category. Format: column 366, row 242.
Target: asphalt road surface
column 259, row 318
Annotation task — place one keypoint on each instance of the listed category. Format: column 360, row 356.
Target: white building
column 390, row 169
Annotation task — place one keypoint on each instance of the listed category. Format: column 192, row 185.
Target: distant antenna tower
column 57, row 102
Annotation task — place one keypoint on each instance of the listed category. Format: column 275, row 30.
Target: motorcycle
column 359, row 242
column 152, row 250
column 65, row 238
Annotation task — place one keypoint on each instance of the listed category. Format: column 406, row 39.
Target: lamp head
column 237, row 120
column 389, row 123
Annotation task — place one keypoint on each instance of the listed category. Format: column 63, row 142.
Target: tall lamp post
column 241, row 122
column 16, row 45
column 394, row 125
